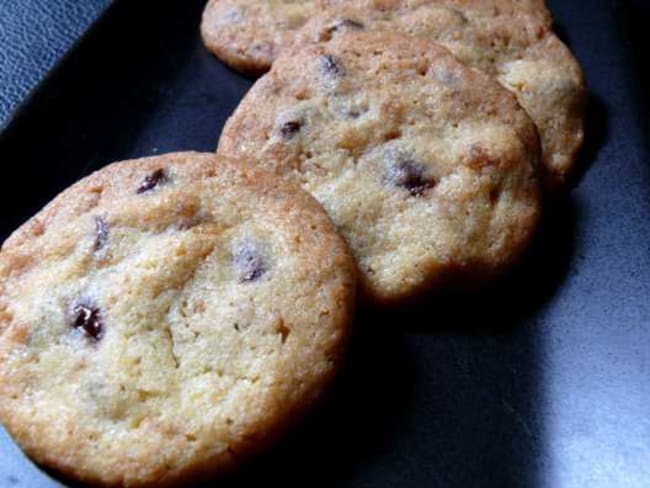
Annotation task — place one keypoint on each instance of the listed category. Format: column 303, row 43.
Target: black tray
column 542, row 381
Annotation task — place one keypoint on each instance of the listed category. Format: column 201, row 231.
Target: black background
column 542, row 381
column 34, row 34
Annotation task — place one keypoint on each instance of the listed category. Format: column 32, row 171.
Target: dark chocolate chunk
column 87, row 319
column 249, row 263
column 101, row 232
column 345, row 24
column 331, row 65
column 495, row 194
column 152, row 181
column 290, row 128
column 410, row 175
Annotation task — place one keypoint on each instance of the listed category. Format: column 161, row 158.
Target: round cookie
column 520, row 50
column 426, row 166
column 165, row 318
column 249, row 34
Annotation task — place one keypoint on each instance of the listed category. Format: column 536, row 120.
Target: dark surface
column 33, row 36
column 543, row 381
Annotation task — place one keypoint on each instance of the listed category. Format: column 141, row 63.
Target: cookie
column 520, row 50
column 249, row 34
column 165, row 318
column 426, row 166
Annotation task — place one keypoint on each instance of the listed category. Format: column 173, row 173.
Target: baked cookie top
column 520, row 50
column 165, row 317
column 249, row 34
column 426, row 166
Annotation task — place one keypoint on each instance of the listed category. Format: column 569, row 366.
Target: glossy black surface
column 543, row 381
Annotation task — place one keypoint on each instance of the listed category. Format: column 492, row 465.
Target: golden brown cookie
column 520, row 50
column 249, row 34
column 425, row 165
column 164, row 318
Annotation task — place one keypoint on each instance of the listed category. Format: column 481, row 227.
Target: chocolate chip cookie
column 249, row 34
column 426, row 166
column 164, row 318
column 520, row 50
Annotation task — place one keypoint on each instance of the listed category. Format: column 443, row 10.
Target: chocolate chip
column 355, row 111
column 290, row 128
column 87, row 319
column 249, row 263
column 463, row 18
column 410, row 175
column 494, row 196
column 331, row 65
column 345, row 24
column 101, row 232
column 152, row 181
column 283, row 331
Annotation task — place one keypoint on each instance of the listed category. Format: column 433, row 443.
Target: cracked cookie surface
column 165, row 318
column 426, row 166
column 249, row 34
